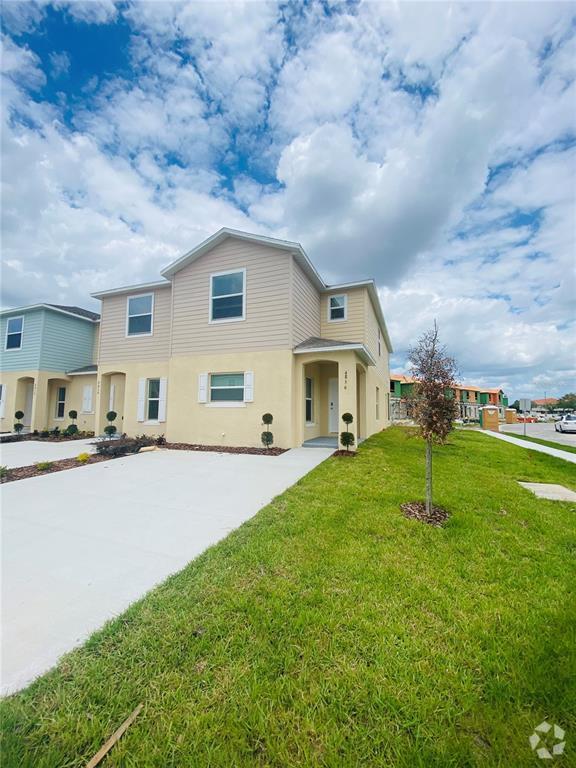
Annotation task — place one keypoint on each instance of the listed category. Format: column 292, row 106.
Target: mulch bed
column 416, row 510
column 223, row 449
column 52, row 439
column 23, row 473
column 350, row 454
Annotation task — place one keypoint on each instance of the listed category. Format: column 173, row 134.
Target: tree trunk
column 428, row 477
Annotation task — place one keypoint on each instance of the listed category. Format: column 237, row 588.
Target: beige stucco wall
column 267, row 321
column 116, row 347
column 74, row 396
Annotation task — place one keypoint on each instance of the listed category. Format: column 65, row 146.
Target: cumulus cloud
column 428, row 145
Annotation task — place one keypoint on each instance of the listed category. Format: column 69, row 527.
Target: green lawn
column 331, row 631
column 549, row 443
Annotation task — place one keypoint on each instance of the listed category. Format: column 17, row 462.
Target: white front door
column 333, row 405
column 27, row 421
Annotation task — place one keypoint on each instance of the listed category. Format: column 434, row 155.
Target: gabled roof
column 225, row 233
column 83, row 314
column 402, row 378
column 317, row 344
column 130, row 288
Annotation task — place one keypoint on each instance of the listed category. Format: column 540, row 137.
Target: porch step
column 321, row 442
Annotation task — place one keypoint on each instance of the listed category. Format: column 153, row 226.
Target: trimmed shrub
column 18, row 427
column 347, row 438
column 44, row 466
column 73, row 415
column 111, row 415
column 3, row 471
column 267, row 439
column 122, row 447
column 19, row 415
column 83, row 458
column 110, row 430
column 70, row 430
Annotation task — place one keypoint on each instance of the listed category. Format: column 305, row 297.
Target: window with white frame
column 14, row 329
column 337, row 308
column 309, row 400
column 139, row 315
column 377, row 403
column 61, row 402
column 226, row 387
column 153, row 399
column 227, row 296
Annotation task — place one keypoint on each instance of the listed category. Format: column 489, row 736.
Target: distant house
column 47, row 366
column 470, row 398
column 544, row 404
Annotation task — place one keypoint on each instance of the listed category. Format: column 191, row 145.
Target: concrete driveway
column 79, row 546
column 29, row 452
column 542, row 430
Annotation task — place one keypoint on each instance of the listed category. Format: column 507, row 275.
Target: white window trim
column 218, row 321
column 56, row 417
column 311, row 423
column 14, row 349
column 338, row 319
column 142, row 314
column 226, row 403
column 148, row 420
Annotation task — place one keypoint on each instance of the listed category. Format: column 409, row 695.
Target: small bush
column 70, row 430
column 347, row 439
column 347, row 418
column 267, row 439
column 111, row 415
column 83, row 458
column 123, row 446
column 161, row 440
column 44, row 466
column 73, row 415
column 267, row 419
column 55, row 432
column 110, row 430
column 3, row 471
column 18, row 427
column 19, row 415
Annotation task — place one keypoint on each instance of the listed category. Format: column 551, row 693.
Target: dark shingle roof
column 84, row 369
column 76, row 311
column 315, row 342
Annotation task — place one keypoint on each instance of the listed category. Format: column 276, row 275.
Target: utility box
column 489, row 418
column 511, row 416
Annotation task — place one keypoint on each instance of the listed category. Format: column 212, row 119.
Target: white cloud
column 59, row 63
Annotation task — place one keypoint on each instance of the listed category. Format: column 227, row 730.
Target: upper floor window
column 14, row 329
column 139, row 315
column 227, row 296
column 338, row 308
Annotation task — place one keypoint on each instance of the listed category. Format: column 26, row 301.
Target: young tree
column 347, row 437
column 433, row 408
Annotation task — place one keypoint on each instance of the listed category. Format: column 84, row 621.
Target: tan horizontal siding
column 267, row 323
column 371, row 340
column 115, row 346
column 354, row 327
column 305, row 307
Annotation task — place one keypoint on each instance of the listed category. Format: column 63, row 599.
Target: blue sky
column 429, row 145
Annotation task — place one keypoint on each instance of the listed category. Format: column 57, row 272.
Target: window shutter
column 112, row 397
column 162, row 402
column 87, row 399
column 248, row 387
column 3, row 401
column 203, row 388
column 141, row 399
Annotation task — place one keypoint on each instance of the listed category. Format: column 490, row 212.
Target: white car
column 566, row 424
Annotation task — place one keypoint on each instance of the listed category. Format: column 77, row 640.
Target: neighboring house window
column 377, row 403
column 379, row 343
column 139, row 311
column 226, row 387
column 61, row 403
column 392, row 388
column 309, row 401
column 227, row 296
column 14, row 329
column 153, row 400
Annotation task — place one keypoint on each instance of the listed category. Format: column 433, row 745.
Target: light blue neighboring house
column 47, row 366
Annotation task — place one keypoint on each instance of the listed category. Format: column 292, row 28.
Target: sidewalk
column 533, row 446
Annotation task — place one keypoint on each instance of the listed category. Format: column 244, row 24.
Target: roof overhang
column 361, row 350
column 32, row 307
column 225, row 233
column 131, row 288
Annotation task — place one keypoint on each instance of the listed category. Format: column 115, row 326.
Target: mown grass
column 549, row 443
column 331, row 631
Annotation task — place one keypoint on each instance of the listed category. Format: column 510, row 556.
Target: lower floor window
column 153, row 405
column 226, row 387
column 309, row 400
column 377, row 403
column 61, row 403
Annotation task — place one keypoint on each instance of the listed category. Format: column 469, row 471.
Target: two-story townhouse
column 47, row 366
column 240, row 326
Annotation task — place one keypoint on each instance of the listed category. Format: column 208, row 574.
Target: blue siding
column 67, row 342
column 28, row 357
column 52, row 341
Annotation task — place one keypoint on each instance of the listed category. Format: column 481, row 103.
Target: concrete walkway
column 79, row 546
column 532, row 446
column 27, row 452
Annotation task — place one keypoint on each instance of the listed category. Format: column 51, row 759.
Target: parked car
column 566, row 424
